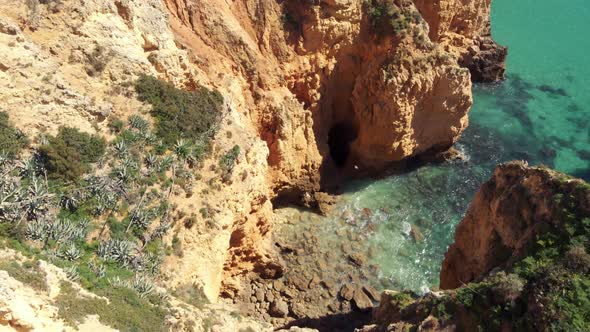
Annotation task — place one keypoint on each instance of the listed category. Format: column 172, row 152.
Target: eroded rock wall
column 503, row 221
column 464, row 28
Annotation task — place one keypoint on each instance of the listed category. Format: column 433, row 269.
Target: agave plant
column 121, row 148
column 139, row 123
column 28, row 168
column 122, row 174
column 165, row 163
column 129, row 163
column 149, row 137
column 36, row 230
column 72, row 273
column 141, row 219
column 69, row 202
column 142, row 285
column 71, row 253
column 117, row 250
column 11, row 195
column 98, row 269
column 182, row 149
column 117, row 282
column 4, row 158
column 61, row 230
column 38, row 201
column 161, row 230
column 151, row 161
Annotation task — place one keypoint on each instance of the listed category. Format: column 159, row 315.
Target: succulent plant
column 165, row 163
column 35, row 230
column 117, row 250
column 72, row 273
column 151, row 161
column 141, row 219
column 183, row 149
column 122, row 174
column 161, row 230
column 139, row 123
column 121, row 148
column 29, row 168
column 71, row 253
column 98, row 269
column 142, row 285
column 69, row 202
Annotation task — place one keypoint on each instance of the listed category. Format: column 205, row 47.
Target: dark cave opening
column 341, row 135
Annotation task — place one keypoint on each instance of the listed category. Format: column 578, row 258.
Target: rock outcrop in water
column 520, row 261
column 506, row 217
column 463, row 27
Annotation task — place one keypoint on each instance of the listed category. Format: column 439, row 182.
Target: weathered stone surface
column 361, row 301
column 504, row 218
column 279, row 308
column 372, row 292
column 347, row 292
column 357, row 259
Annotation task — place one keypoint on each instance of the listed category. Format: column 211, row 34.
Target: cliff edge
column 519, row 262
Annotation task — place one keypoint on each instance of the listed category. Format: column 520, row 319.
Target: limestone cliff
column 325, row 87
column 506, row 217
column 311, row 89
column 519, row 262
column 464, row 28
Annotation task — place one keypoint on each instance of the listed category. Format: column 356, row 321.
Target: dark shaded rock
column 372, row 293
column 357, row 259
column 270, row 270
column 486, row 61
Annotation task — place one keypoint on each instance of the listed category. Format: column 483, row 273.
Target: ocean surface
column 539, row 114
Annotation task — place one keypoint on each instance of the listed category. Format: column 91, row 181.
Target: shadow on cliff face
column 345, row 322
column 341, row 135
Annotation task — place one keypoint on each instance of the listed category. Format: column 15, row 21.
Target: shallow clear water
column 539, row 114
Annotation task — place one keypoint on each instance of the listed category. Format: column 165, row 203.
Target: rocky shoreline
column 327, row 284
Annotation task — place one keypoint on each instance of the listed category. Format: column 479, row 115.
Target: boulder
column 278, row 308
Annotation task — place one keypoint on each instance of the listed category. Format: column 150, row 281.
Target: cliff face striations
column 330, row 84
column 313, row 90
column 506, row 217
column 520, row 261
column 464, row 28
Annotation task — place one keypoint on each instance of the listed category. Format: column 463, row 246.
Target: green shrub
column 228, row 162
column 12, row 140
column 28, row 273
column 390, row 16
column 69, row 154
column 180, row 114
column 125, row 310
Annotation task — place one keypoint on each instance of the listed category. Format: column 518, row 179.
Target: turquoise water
column 539, row 114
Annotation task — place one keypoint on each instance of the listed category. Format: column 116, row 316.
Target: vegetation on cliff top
column 102, row 217
column 12, row 140
column 548, row 289
column 179, row 114
column 69, row 154
column 392, row 16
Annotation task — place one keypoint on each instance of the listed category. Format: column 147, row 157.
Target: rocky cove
column 341, row 164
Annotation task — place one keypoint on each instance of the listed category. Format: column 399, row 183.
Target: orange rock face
column 507, row 213
column 327, row 91
column 464, row 28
